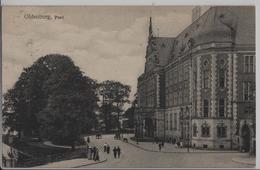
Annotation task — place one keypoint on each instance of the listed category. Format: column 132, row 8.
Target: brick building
column 199, row 87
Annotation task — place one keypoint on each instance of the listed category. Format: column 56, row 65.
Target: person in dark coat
column 108, row 148
column 118, row 151
column 160, row 146
column 88, row 139
column 115, row 151
column 94, row 152
column 105, row 147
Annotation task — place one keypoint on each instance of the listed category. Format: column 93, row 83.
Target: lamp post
column 190, row 45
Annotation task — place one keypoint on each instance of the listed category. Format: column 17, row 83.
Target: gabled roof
column 164, row 47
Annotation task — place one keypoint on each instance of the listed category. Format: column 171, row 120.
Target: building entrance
column 245, row 138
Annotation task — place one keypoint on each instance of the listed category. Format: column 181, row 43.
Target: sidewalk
column 73, row 163
column 245, row 160
column 170, row 148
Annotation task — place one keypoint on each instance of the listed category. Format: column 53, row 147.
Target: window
column 205, row 108
column 194, row 130
column 221, row 107
column 171, row 121
column 222, row 78
column 206, row 79
column 180, row 97
column 175, row 121
column 221, row 131
column 186, row 75
column 248, row 91
column 249, row 64
column 166, row 123
column 205, row 130
column 195, row 80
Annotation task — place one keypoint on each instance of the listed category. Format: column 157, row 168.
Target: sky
column 106, row 42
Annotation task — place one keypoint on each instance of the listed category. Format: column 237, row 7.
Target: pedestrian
column 114, row 150
column 194, row 146
column 118, row 151
column 162, row 143
column 178, row 144
column 97, row 156
column 181, row 143
column 94, row 153
column 90, row 153
column 88, row 139
column 108, row 149
column 87, row 149
column 105, row 147
column 160, row 146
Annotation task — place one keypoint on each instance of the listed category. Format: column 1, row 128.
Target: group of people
column 98, row 136
column 179, row 144
column 116, row 150
column 92, row 153
column 161, row 144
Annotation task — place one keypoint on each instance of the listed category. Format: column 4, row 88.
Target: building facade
column 199, row 87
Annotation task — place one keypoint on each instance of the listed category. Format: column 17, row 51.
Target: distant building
column 199, row 86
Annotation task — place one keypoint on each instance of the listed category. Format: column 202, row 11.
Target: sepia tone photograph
column 128, row 87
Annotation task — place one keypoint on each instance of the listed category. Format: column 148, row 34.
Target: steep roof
column 164, row 47
column 219, row 24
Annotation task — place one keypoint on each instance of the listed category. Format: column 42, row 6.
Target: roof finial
column 150, row 28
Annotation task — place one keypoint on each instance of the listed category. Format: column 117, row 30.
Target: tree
column 129, row 113
column 53, row 99
column 114, row 96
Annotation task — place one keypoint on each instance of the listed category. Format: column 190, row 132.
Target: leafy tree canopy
column 51, row 98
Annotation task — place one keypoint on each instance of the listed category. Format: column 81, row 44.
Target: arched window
column 222, row 78
column 206, row 79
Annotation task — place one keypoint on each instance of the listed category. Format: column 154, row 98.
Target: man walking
column 105, row 147
column 118, row 151
column 94, row 153
column 115, row 151
column 108, row 149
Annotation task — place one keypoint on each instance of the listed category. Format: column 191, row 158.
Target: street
column 134, row 157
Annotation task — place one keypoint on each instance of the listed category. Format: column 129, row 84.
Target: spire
column 150, row 28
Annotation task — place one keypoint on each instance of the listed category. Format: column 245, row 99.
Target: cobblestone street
column 134, row 157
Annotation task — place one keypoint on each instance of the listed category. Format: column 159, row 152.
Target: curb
column 149, row 150
column 242, row 162
column 90, row 164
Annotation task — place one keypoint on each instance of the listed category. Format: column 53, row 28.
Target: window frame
column 222, row 78
column 221, row 107
column 204, row 108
